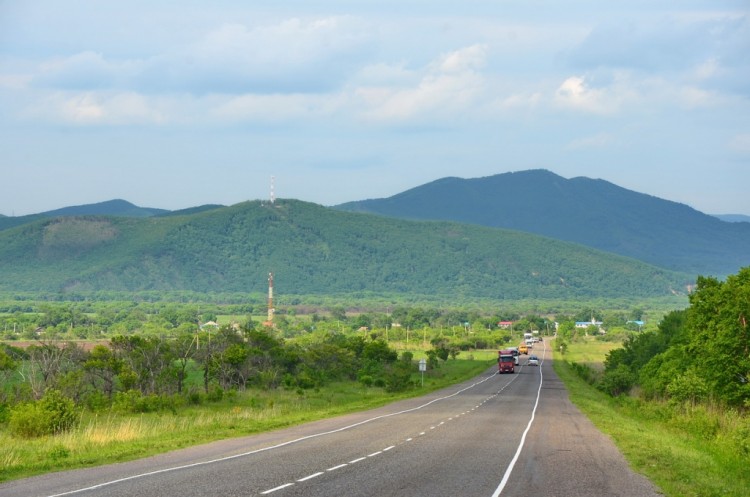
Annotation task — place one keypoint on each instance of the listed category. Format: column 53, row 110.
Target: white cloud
column 96, row 108
column 575, row 94
column 292, row 56
column 448, row 86
column 461, row 61
column 706, row 69
column 84, row 70
column 700, row 50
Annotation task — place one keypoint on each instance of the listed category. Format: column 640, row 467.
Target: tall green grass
column 102, row 438
column 687, row 451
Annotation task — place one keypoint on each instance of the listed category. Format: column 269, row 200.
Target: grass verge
column 687, row 451
column 110, row 437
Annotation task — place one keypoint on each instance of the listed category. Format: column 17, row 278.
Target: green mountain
column 312, row 249
column 115, row 207
column 590, row 212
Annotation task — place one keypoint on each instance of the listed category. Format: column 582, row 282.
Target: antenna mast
column 273, row 196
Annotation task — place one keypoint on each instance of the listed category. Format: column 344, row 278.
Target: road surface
column 496, row 435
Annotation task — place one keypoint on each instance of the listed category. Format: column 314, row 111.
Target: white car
column 533, row 361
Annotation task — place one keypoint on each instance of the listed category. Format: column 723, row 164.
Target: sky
column 174, row 104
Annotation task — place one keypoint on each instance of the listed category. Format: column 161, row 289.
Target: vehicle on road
column 506, row 363
column 516, row 355
column 523, row 348
column 533, row 361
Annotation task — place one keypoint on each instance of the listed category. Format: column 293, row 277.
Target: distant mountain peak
column 114, row 207
column 591, row 212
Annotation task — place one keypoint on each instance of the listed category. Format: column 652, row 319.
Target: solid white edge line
column 508, row 471
column 337, row 467
column 290, row 442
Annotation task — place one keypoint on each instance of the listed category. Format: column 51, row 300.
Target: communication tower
column 270, row 299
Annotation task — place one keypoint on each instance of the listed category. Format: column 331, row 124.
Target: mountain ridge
column 314, row 249
column 591, row 212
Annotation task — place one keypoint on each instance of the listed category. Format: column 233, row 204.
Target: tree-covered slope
column 312, row 250
column 591, row 212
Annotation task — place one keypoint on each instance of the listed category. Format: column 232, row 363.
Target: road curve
column 509, row 435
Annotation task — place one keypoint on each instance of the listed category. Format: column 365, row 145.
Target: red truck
column 505, row 362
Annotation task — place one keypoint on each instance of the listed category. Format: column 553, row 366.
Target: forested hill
column 115, row 207
column 591, row 212
column 312, row 250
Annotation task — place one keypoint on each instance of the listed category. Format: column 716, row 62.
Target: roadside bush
column 194, row 397
column 53, row 413
column 698, row 420
column 687, row 387
column 740, row 437
column 96, row 401
column 134, row 401
column 215, row 393
column 398, row 377
column 370, row 372
column 617, row 381
column 432, row 359
column 584, row 372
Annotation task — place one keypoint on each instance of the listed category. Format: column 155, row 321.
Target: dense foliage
column 312, row 250
column 697, row 355
column 47, row 382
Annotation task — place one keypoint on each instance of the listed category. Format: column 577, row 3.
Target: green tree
column 102, row 367
column 150, row 358
column 718, row 323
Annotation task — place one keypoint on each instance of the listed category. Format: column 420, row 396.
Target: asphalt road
column 510, row 435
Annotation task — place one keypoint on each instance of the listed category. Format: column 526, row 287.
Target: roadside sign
column 423, row 364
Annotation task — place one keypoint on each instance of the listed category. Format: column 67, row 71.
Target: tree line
column 697, row 355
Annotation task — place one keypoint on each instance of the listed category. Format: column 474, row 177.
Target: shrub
column 617, row 381
column 398, row 377
column 586, row 373
column 135, row 402
column 215, row 393
column 687, row 387
column 740, row 437
column 53, row 413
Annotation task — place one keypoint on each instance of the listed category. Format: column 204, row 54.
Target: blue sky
column 174, row 104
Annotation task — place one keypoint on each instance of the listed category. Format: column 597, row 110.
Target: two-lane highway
column 472, row 439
